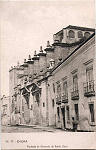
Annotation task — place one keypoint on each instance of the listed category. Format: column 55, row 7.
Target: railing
column 75, row 95
column 89, row 89
column 58, row 99
column 64, row 98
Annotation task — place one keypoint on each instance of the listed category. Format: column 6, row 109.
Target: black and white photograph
column 48, row 67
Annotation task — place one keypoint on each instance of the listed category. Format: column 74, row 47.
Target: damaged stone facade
column 58, row 83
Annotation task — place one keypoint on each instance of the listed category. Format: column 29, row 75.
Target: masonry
column 58, row 83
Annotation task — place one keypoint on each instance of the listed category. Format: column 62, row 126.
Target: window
column 53, row 87
column 75, row 83
column 23, row 115
column 80, row 34
column 76, row 111
column 71, row 34
column 19, row 109
column 58, row 113
column 58, row 88
column 52, row 63
column 53, row 103
column 68, row 114
column 65, row 88
column 15, row 97
column 89, row 74
column 22, row 108
column 91, row 108
column 86, row 34
column 31, row 107
column 5, row 110
column 43, row 104
column 61, row 36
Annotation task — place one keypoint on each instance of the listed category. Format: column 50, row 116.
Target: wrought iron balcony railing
column 75, row 95
column 64, row 98
column 58, row 99
column 89, row 89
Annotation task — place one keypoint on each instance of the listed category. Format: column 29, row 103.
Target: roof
column 77, row 28
column 80, row 28
column 73, row 52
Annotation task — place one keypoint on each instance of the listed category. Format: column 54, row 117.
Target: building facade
column 57, row 83
column 5, row 110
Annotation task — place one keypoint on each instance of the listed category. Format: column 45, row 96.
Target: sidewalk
column 43, row 128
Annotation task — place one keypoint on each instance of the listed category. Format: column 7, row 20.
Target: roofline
column 77, row 27
column 80, row 28
column 73, row 52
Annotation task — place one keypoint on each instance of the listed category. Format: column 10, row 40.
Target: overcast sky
column 26, row 25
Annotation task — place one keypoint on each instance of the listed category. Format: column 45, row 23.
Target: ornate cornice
column 50, row 49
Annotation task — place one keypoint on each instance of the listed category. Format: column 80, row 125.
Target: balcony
column 75, row 95
column 58, row 99
column 64, row 98
column 89, row 89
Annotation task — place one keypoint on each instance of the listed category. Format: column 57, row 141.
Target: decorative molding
column 87, row 62
column 65, row 78
column 74, row 71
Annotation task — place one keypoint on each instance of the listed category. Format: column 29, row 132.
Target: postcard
column 48, row 74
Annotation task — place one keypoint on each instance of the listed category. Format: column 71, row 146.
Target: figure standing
column 75, row 124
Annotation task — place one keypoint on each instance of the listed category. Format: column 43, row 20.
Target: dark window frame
column 76, row 111
column 43, row 104
column 71, row 34
column 92, row 116
column 80, row 34
column 53, row 103
column 68, row 112
column 75, row 82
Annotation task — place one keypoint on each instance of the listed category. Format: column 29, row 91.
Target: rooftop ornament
column 36, row 57
column 29, row 58
column 35, row 53
column 18, row 64
column 48, row 44
column 49, row 47
column 24, row 60
column 41, row 50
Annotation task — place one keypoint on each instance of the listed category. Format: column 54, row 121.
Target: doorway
column 76, row 111
column 63, row 115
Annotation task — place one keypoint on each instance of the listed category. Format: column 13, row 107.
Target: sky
column 26, row 25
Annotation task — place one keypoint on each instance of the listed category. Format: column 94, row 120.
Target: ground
column 26, row 129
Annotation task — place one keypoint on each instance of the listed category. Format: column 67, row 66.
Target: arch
column 80, row 34
column 71, row 34
column 86, row 34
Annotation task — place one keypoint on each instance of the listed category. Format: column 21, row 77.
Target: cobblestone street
column 26, row 129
